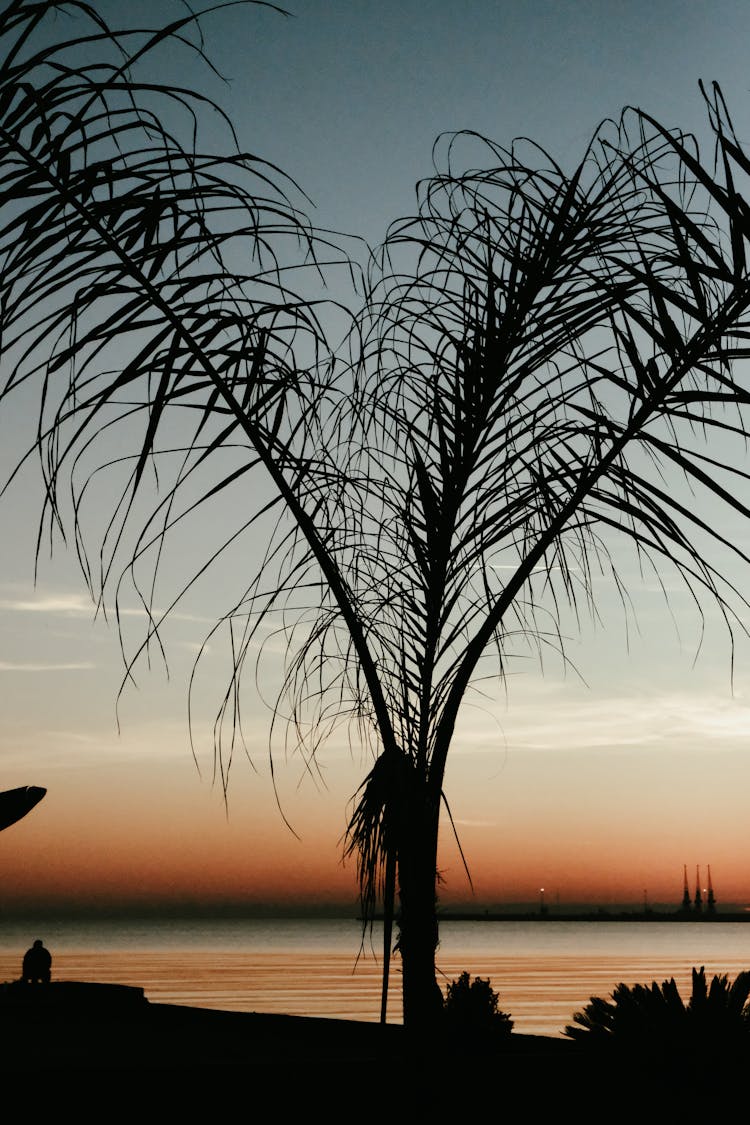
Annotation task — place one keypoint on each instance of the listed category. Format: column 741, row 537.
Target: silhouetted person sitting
column 37, row 965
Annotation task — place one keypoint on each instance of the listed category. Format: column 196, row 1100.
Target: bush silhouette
column 654, row 1019
column 471, row 1007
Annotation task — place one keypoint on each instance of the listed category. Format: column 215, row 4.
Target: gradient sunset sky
column 597, row 785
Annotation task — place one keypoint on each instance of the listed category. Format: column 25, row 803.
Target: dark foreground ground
column 107, row 1054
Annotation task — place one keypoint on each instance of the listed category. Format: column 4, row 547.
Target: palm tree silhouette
column 543, row 365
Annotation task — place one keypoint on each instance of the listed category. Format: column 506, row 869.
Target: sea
column 543, row 971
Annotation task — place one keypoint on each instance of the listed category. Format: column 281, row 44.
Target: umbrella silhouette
column 15, row 803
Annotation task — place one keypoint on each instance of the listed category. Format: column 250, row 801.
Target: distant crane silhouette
column 711, row 903
column 686, row 903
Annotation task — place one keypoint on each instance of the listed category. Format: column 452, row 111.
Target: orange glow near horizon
column 154, row 836
column 169, row 843
column 128, row 820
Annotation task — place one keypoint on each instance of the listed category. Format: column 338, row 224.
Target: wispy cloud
column 538, row 569
column 80, row 605
column 556, row 717
column 63, row 604
column 461, row 823
column 18, row 666
column 71, row 748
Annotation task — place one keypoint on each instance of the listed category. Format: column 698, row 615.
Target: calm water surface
column 543, row 971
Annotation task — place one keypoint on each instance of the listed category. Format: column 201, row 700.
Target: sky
column 596, row 784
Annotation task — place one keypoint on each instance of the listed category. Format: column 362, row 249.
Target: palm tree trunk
column 418, row 925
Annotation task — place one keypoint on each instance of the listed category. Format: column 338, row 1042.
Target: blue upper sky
column 349, row 97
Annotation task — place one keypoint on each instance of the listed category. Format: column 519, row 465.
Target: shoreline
column 595, row 916
column 105, row 1046
column 71, row 1043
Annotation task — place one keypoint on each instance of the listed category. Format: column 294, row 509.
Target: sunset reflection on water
column 541, row 989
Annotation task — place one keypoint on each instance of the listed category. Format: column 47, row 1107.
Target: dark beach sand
column 104, row 1051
